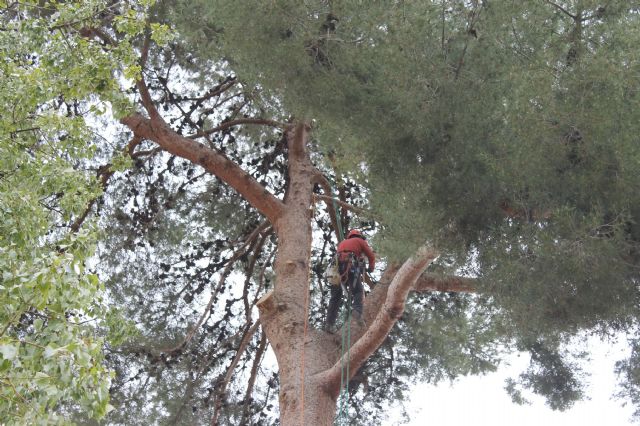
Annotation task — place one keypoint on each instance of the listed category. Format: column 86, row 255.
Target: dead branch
column 246, row 246
column 326, row 187
column 252, row 378
column 222, row 387
column 328, row 200
column 249, row 273
column 262, row 278
column 238, row 122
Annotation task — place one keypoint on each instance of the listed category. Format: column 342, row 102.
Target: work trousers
column 353, row 285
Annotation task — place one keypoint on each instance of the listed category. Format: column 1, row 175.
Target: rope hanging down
column 342, row 418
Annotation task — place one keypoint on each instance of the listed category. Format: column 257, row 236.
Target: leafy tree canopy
column 54, row 317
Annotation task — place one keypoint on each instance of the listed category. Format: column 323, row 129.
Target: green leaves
column 54, row 81
column 45, row 305
column 9, row 352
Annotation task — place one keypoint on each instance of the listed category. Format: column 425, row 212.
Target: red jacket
column 358, row 246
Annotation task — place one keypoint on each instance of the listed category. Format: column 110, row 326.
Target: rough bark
column 282, row 312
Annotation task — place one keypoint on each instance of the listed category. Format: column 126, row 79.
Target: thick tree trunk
column 301, row 352
column 304, row 399
column 317, row 409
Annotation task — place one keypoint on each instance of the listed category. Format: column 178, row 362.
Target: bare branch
column 257, row 360
column 261, row 278
column 228, row 83
column 237, row 122
column 391, row 310
column 222, row 387
column 249, row 274
column 328, row 200
column 326, row 186
column 146, row 153
column 562, row 9
column 248, row 245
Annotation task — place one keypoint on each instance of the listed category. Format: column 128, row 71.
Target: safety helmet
column 355, row 233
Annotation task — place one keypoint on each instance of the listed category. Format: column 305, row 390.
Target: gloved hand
column 370, row 270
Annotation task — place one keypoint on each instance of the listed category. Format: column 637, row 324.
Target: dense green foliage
column 53, row 316
column 507, row 132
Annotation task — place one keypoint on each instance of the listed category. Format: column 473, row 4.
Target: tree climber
column 350, row 269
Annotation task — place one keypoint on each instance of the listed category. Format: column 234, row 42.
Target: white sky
column 482, row 400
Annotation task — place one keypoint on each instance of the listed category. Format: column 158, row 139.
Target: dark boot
column 356, row 315
column 332, row 311
column 329, row 328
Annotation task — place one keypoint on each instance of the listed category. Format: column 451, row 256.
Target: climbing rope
column 342, row 418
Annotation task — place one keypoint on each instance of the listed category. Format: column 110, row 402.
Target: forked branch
column 391, row 311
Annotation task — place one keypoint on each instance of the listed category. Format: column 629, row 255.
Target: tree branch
column 237, row 122
column 386, row 318
column 222, row 388
column 252, row 378
column 328, row 199
column 475, row 14
column 562, row 9
column 214, row 162
column 257, row 251
column 248, row 245
column 144, row 53
column 104, row 173
column 147, row 101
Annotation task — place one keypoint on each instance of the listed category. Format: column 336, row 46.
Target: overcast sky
column 482, row 401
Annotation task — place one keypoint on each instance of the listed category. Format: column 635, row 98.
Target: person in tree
column 350, row 267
